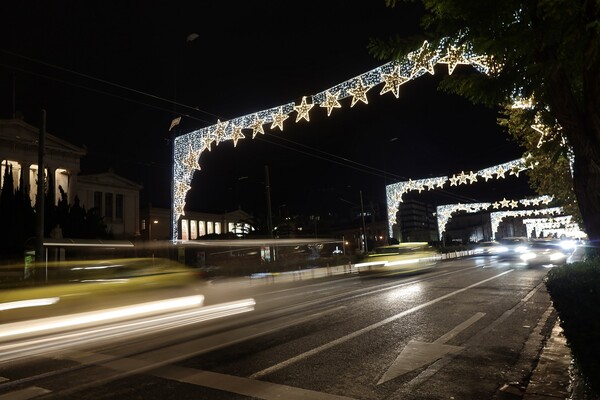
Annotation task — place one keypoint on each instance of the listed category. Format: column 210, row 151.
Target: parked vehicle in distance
column 403, row 258
column 542, row 252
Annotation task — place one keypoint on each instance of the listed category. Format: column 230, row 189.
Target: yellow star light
column 181, row 188
column 496, row 205
column 278, row 119
column 303, row 109
column 422, row 60
column 472, row 177
column 359, row 93
column 462, row 178
column 237, row 134
column 514, row 204
column 393, row 82
column 453, row 57
column 331, row 102
column 191, row 158
column 504, row 202
column 487, row 175
column 257, row 127
column 453, row 180
column 206, row 142
column 219, row 131
column 500, row 172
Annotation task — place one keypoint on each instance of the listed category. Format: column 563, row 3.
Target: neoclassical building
column 116, row 198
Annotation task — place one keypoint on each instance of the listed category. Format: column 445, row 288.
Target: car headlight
column 557, row 256
column 527, row 256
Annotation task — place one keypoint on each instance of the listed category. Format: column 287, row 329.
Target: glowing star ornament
column 500, row 172
column 278, row 118
column 219, row 131
column 359, row 93
column 206, row 142
column 303, row 109
column 514, row 204
column 423, row 60
column 504, row 202
column 190, row 160
column 331, row 102
column 487, row 174
column 454, row 180
column 454, row 56
column 237, row 134
column 393, row 82
column 257, row 127
column 462, row 178
column 472, row 177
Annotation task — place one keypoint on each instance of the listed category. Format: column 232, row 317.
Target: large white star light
column 278, row 118
column 257, row 126
column 424, row 60
column 303, row 109
column 455, row 56
column 331, row 102
column 393, row 81
column 359, row 92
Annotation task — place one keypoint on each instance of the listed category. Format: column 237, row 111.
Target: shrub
column 575, row 292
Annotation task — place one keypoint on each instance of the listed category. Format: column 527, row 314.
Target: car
column 79, row 286
column 489, row 248
column 403, row 258
column 544, row 252
column 512, row 247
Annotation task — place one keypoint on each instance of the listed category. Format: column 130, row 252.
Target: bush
column 575, row 292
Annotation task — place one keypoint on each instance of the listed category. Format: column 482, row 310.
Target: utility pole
column 268, row 193
column 39, row 203
column 362, row 211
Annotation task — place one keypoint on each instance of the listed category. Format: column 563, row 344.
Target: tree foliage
column 548, row 51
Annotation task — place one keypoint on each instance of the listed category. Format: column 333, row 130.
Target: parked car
column 403, row 258
column 541, row 252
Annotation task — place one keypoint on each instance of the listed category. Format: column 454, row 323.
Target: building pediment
column 18, row 132
column 109, row 179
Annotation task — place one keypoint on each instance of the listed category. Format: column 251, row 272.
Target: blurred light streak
column 28, row 303
column 23, row 347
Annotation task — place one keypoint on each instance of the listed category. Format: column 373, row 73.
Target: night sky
column 112, row 75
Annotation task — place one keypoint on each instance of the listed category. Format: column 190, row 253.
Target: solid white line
column 369, row 328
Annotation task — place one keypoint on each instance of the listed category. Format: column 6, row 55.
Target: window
column 119, row 206
column 218, row 228
column 184, row 229
column 209, row 227
column 61, row 179
column 230, row 227
column 193, row 229
column 108, row 205
column 201, row 228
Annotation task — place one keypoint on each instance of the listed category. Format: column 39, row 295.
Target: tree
column 546, row 51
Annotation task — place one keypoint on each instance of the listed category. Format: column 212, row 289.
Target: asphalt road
column 471, row 328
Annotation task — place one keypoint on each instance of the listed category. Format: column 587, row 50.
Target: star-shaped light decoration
column 453, row 57
column 237, row 134
column 472, row 177
column 543, row 130
column 206, row 141
column 359, row 93
column 504, row 202
column 190, row 160
column 423, row 60
column 181, row 188
column 331, row 102
column 500, row 172
column 303, row 109
column 453, row 180
column 514, row 204
column 535, row 202
column 462, row 178
column 179, row 209
column 496, row 205
column 278, row 119
column 440, row 184
column 393, row 82
column 526, row 202
column 257, row 126
column 487, row 174
column 219, row 131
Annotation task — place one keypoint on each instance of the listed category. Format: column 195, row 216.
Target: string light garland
column 451, row 52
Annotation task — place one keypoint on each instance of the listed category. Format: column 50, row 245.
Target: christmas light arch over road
column 188, row 148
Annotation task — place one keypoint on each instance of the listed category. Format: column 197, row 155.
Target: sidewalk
column 551, row 378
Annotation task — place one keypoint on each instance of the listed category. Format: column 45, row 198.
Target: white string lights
column 187, row 148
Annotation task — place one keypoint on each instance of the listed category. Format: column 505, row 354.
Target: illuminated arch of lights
column 188, row 148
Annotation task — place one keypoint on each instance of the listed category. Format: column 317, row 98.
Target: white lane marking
column 416, row 354
column 243, row 386
column 369, row 328
column 24, row 394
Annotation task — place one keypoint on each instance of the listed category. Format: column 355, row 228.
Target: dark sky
column 112, row 75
